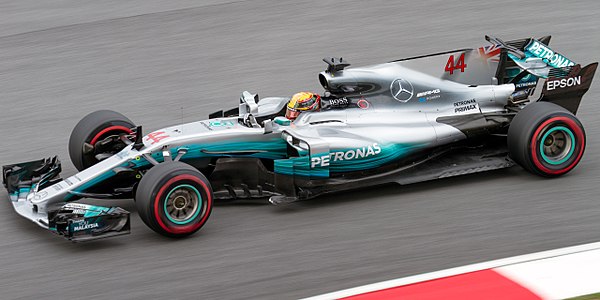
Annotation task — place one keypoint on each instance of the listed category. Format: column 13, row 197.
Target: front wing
column 26, row 182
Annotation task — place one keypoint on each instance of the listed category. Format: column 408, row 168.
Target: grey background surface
column 150, row 60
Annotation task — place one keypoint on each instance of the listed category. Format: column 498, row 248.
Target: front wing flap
column 81, row 222
column 21, row 178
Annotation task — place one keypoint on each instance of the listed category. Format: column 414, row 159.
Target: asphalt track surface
column 151, row 61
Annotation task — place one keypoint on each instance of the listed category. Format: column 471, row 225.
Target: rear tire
column 174, row 199
column 92, row 128
column 546, row 139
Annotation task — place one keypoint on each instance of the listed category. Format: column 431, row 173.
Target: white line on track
column 456, row 271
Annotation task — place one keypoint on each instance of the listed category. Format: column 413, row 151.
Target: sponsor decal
column 465, row 106
column 363, row 103
column 401, row 89
column 221, row 123
column 491, row 54
column 339, row 102
column 84, row 225
column 425, row 99
column 156, row 137
column 77, row 205
column 550, row 57
column 428, row 93
column 525, row 84
column 358, row 153
column 452, row 65
column 563, row 83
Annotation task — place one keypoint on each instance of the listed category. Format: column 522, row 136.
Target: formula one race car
column 406, row 121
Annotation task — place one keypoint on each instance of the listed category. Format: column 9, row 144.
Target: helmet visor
column 291, row 114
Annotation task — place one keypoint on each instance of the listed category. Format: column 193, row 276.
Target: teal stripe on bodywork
column 301, row 166
column 274, row 149
column 388, row 154
column 94, row 211
column 91, row 183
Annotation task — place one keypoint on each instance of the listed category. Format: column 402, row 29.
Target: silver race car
column 405, row 121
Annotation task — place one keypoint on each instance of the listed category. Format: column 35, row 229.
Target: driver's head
column 303, row 101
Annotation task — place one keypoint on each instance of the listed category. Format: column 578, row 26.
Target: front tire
column 546, row 139
column 92, row 129
column 174, row 199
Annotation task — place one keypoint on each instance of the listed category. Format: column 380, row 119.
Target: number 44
column 460, row 64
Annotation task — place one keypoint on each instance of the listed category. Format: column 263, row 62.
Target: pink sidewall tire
column 546, row 139
column 174, row 199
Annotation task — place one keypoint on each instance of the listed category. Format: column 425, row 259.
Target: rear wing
column 566, row 86
column 530, row 62
column 514, row 61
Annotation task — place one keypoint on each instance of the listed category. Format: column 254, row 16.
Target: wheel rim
column 557, row 145
column 182, row 204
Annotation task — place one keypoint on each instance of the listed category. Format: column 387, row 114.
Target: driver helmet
column 303, row 101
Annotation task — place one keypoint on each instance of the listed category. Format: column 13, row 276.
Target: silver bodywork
column 387, row 121
column 396, row 110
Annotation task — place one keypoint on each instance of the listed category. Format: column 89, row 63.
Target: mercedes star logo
column 402, row 90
